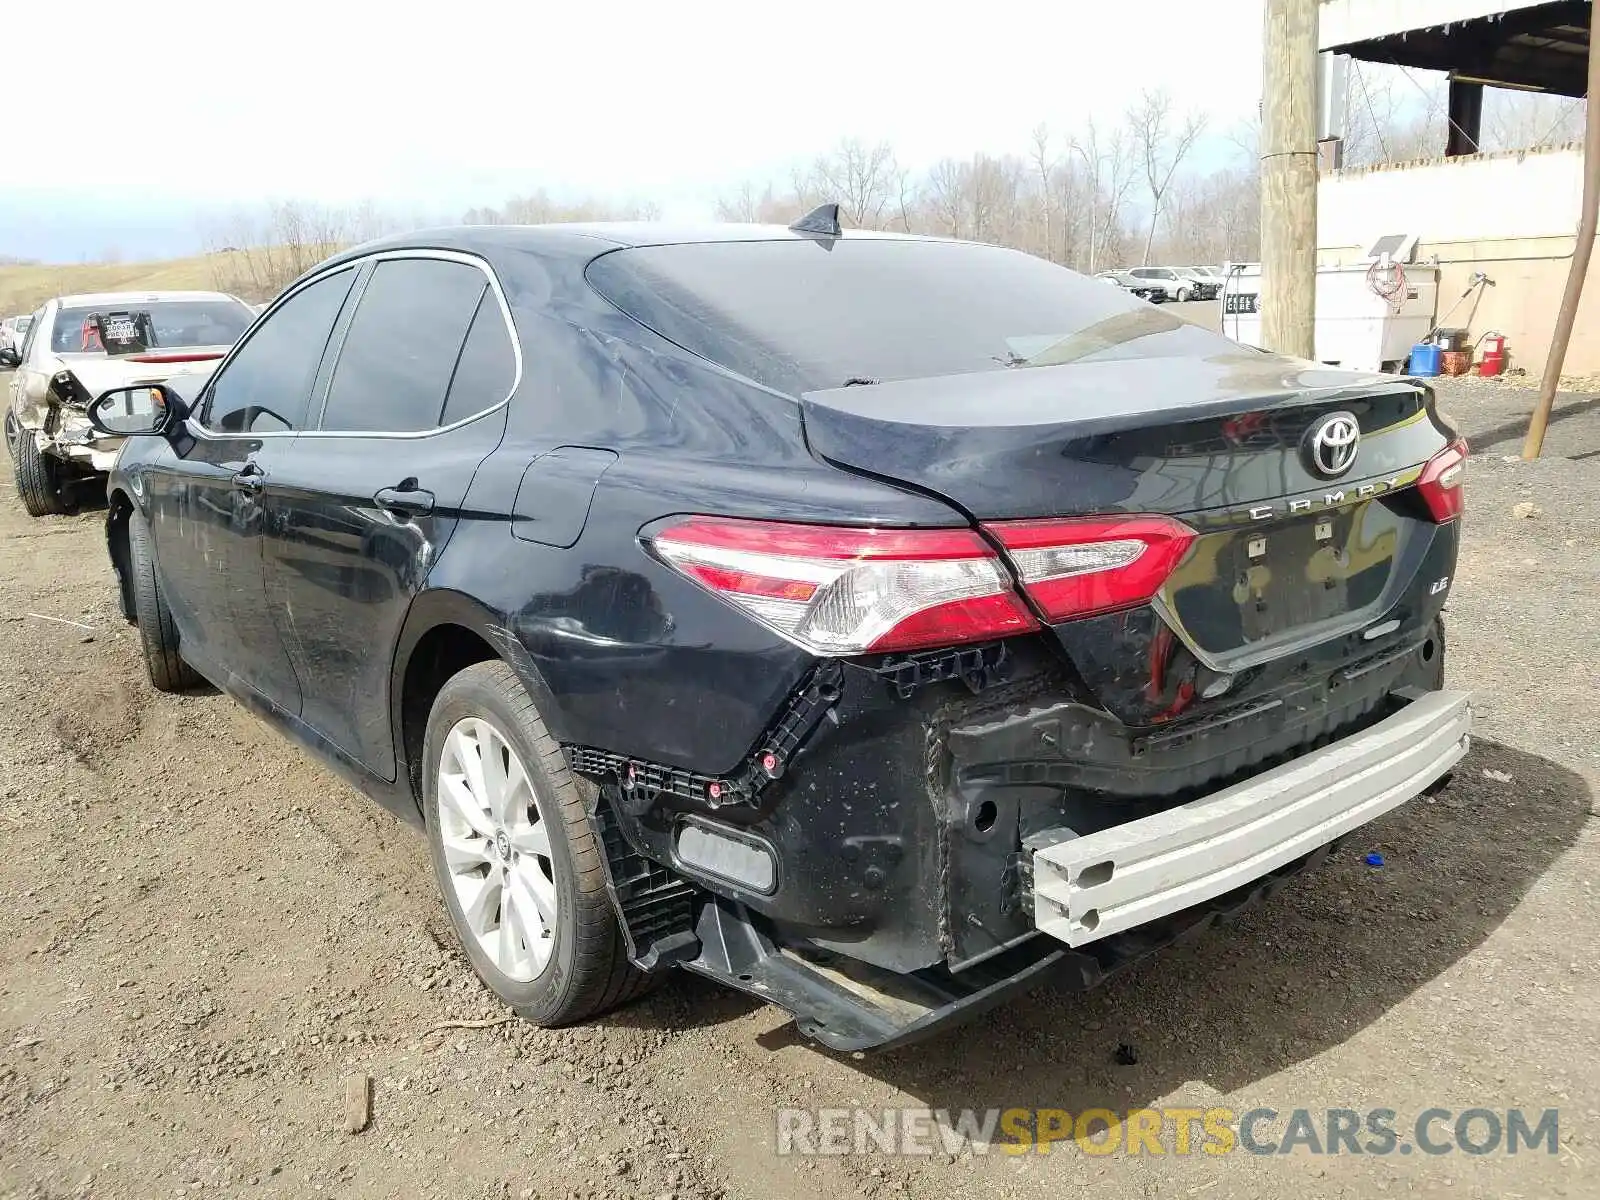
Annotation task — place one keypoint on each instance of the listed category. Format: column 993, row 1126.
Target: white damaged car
column 81, row 346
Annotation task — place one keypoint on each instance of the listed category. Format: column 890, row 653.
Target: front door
column 211, row 493
column 367, row 502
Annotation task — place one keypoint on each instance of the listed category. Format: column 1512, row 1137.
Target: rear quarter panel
column 636, row 659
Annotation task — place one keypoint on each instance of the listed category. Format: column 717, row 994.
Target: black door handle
column 404, row 502
column 250, row 478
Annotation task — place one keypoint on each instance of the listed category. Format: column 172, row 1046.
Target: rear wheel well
column 441, row 653
column 118, row 509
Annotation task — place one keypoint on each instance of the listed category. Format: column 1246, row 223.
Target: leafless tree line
column 1109, row 194
column 257, row 253
column 538, row 208
column 1393, row 115
column 1129, row 192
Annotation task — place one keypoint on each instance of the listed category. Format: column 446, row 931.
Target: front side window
column 266, row 386
column 402, row 347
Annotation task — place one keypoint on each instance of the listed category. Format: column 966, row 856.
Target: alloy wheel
column 496, row 845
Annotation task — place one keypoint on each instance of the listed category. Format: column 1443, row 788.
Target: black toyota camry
column 875, row 624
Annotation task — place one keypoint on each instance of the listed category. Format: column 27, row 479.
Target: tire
column 1183, row 295
column 168, row 671
column 584, row 968
column 38, row 478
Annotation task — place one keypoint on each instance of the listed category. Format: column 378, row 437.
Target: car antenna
column 823, row 219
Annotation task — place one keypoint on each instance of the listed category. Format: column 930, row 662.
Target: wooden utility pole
column 1289, row 178
column 1567, row 315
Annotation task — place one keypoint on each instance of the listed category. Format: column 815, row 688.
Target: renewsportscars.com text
column 1167, row 1131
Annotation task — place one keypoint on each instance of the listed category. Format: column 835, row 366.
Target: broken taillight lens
column 839, row 591
column 1075, row 567
column 1440, row 482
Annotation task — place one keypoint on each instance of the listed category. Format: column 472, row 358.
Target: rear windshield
column 806, row 315
column 172, row 323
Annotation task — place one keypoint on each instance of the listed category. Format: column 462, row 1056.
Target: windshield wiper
column 859, row 381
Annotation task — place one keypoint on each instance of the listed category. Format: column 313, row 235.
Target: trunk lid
column 1159, row 435
column 96, row 373
column 1288, row 555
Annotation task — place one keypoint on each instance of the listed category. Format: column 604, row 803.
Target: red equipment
column 1493, row 361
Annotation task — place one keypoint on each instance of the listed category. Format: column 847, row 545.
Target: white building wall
column 1512, row 217
column 1531, row 194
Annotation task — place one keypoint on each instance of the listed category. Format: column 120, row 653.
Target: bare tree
column 1110, row 175
column 1161, row 149
column 865, row 181
column 1527, row 120
column 1393, row 115
column 1044, row 166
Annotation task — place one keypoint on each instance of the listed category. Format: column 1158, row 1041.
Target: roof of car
column 660, row 233
column 89, row 299
column 597, row 236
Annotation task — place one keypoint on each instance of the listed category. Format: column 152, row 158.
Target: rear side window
column 266, row 387
column 487, row 367
column 401, row 350
column 809, row 314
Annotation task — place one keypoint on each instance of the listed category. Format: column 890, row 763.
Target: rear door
column 412, row 404
column 209, row 495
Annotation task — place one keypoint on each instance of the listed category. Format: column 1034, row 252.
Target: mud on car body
column 874, row 624
column 77, row 347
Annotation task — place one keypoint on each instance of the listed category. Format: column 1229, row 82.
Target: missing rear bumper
column 1088, row 888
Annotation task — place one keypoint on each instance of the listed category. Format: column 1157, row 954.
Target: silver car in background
column 81, row 346
column 12, row 331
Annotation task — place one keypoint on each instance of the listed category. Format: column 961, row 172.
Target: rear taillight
column 1441, row 479
column 1077, row 567
column 840, row 591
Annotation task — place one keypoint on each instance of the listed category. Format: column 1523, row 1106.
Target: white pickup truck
column 80, row 346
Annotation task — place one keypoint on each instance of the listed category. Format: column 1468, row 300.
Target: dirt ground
column 205, row 935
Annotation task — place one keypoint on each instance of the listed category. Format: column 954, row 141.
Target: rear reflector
column 1441, row 479
column 731, row 854
column 1077, row 567
column 841, row 591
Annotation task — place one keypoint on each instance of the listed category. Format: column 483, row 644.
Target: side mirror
column 9, row 357
column 147, row 408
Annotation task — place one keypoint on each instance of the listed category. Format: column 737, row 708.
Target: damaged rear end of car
column 1180, row 633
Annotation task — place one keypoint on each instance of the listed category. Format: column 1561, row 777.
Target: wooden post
column 1289, row 178
column 1567, row 315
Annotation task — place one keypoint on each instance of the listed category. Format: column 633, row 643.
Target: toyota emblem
column 1331, row 444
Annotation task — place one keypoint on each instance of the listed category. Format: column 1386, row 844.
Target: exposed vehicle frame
column 1203, row 285
column 879, row 693
column 1146, row 289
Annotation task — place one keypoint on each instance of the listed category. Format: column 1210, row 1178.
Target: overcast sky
column 129, row 121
